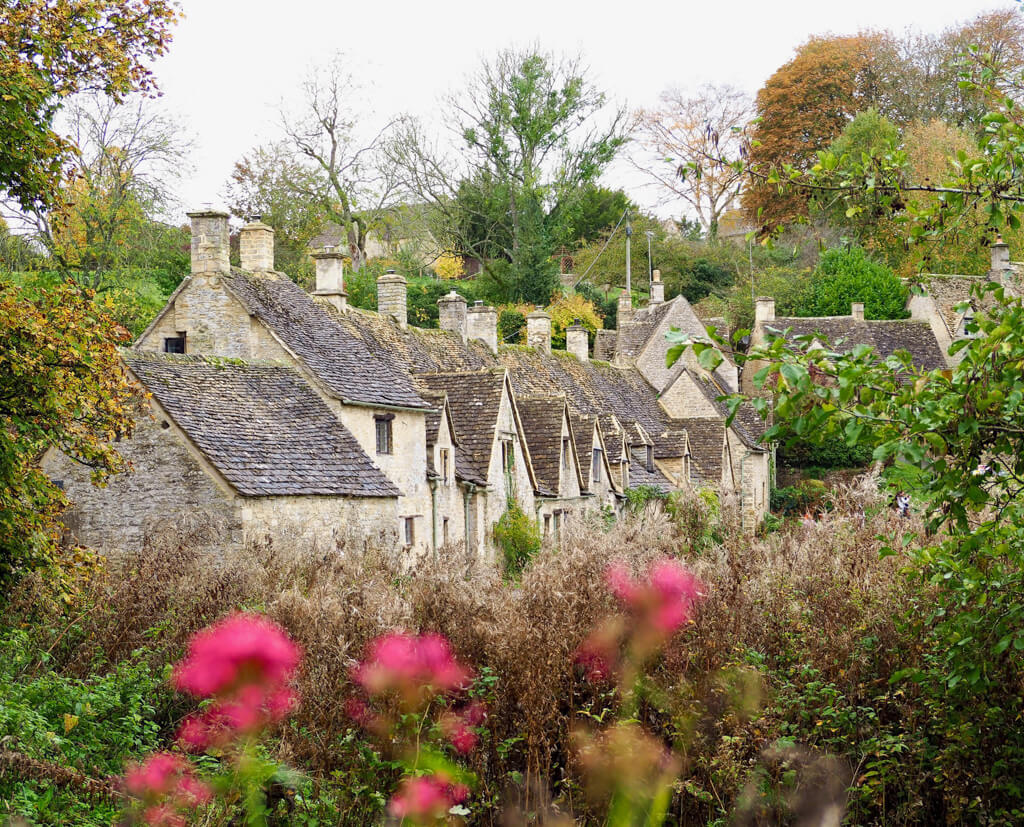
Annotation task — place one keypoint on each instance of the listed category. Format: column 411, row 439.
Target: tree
column 531, row 144
column 62, row 385
column 844, row 276
column 125, row 160
column 348, row 176
column 678, row 138
column 52, row 49
column 270, row 182
column 802, row 108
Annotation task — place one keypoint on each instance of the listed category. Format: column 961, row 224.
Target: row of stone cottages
column 277, row 414
column 273, row 413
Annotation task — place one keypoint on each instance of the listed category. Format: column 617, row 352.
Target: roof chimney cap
column 477, row 303
column 390, row 271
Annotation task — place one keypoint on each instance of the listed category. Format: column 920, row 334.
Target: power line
column 605, row 247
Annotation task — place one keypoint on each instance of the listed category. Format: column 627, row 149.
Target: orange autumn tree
column 62, row 385
column 802, row 108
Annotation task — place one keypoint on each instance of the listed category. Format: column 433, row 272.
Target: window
column 175, row 344
column 444, row 530
column 410, row 530
column 383, row 423
column 595, row 471
column 508, row 455
column 444, row 465
column 650, row 458
column 565, row 453
column 547, row 524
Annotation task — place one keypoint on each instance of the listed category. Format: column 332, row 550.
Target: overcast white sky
column 232, row 61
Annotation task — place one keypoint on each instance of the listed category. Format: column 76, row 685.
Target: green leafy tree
column 62, row 386
column 844, row 276
column 51, row 49
column 531, row 143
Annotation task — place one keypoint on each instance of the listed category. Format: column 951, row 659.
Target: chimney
column 764, row 309
column 482, row 324
column 256, row 246
column 576, row 341
column 330, row 277
column 451, row 314
column 210, row 241
column 1000, row 252
column 391, row 298
column 857, row 311
column 625, row 308
column 538, row 330
column 657, row 288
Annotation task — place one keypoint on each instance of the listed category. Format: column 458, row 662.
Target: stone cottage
column 291, row 416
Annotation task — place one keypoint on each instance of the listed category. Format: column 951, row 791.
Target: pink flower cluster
column 166, row 786
column 655, row 609
column 245, row 662
column 457, row 727
column 426, row 799
column 410, row 665
column 663, row 602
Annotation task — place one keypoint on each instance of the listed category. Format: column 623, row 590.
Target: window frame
column 385, row 421
column 180, row 337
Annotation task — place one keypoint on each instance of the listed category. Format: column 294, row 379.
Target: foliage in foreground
column 788, row 661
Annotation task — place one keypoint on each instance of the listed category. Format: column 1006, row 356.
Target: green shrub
column 834, row 454
column 795, row 499
column 638, row 496
column 696, row 515
column 844, row 276
column 518, row 537
column 510, row 325
column 93, row 726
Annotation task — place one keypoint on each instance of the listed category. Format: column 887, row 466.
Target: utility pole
column 629, row 235
column 650, row 263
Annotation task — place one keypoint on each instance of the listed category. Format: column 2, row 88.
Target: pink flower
column 459, row 732
column 192, row 792
column 241, row 649
column 663, row 602
column 157, row 775
column 474, row 713
column 194, row 734
column 599, row 653
column 426, row 798
column 410, row 663
column 163, row 815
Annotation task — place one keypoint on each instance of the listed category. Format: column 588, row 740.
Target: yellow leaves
column 449, row 266
column 70, row 722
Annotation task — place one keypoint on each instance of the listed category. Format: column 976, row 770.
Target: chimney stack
column 210, row 241
column 657, row 288
column 451, row 314
column 625, row 315
column 256, row 246
column 330, row 277
column 391, row 297
column 1000, row 252
column 576, row 341
column 857, row 311
column 482, row 324
column 538, row 330
column 764, row 309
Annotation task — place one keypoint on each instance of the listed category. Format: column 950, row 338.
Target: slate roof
column 611, row 430
column 261, row 426
column 707, row 439
column 542, row 423
column 639, row 475
column 634, row 336
column 475, row 401
column 345, row 364
column 604, row 344
column 584, row 439
column 886, row 337
column 949, row 291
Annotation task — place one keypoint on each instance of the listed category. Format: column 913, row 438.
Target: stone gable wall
column 683, row 399
column 214, row 322
column 166, row 488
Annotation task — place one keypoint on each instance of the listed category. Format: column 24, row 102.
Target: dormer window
column 565, row 453
column 595, row 471
column 650, row 459
column 383, row 426
column 444, row 465
column 508, row 455
column 175, row 344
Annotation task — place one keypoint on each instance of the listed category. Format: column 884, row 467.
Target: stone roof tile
column 261, row 426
